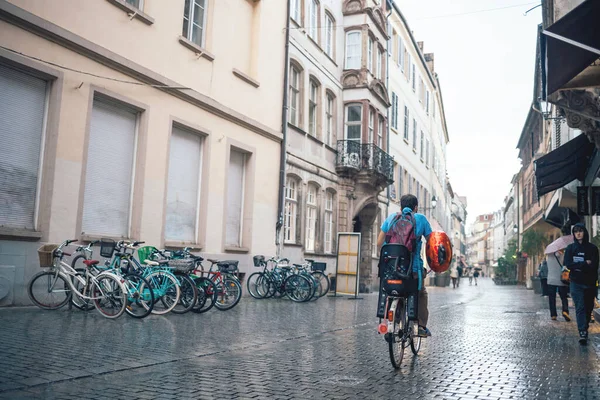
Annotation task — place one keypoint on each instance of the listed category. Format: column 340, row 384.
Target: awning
column 560, row 209
column 563, row 165
column 571, row 45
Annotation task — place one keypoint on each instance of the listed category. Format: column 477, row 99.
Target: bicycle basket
column 258, row 260
column 146, row 253
column 319, row 266
column 107, row 248
column 46, row 255
column 182, row 265
column 228, row 267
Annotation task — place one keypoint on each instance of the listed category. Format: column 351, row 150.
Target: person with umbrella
column 554, row 261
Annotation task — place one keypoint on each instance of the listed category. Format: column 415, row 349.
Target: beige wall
column 224, row 109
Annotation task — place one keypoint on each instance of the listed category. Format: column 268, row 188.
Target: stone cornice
column 582, row 111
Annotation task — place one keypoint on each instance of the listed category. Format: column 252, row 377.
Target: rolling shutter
column 22, row 109
column 183, row 186
column 109, row 174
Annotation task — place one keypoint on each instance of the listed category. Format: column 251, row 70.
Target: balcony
column 354, row 157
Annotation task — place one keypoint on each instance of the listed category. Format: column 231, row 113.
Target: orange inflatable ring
column 439, row 251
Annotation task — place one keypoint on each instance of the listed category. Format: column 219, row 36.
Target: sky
column 485, row 62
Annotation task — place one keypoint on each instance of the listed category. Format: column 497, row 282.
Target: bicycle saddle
column 298, row 265
column 156, row 263
column 227, row 263
column 89, row 263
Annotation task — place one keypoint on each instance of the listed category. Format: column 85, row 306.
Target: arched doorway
column 363, row 223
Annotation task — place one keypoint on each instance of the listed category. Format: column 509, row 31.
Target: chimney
column 420, row 44
column 430, row 63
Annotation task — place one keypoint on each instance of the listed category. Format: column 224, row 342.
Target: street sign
column 583, row 203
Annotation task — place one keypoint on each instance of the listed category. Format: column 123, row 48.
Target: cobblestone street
column 490, row 342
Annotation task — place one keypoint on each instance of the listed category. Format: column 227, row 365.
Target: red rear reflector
column 395, row 282
column 382, row 328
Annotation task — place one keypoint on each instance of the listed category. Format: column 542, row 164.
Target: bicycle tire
column 229, row 284
column 415, row 347
column 188, row 295
column 114, row 295
column 79, row 302
column 158, row 278
column 293, row 285
column 76, row 259
column 324, row 281
column 50, row 274
column 252, row 284
column 207, row 294
column 396, row 342
column 140, row 298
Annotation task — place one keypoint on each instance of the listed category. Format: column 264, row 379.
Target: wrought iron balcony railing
column 361, row 156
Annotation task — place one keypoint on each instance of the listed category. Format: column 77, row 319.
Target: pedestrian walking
column 470, row 274
column 554, row 265
column 581, row 258
column 476, row 275
column 454, row 276
column 543, row 275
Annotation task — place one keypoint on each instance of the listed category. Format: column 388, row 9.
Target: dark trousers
column 544, row 282
column 562, row 292
column 583, row 297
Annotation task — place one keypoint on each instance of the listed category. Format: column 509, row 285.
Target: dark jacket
column 576, row 256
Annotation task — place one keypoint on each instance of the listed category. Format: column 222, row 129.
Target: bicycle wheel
column 396, row 339
column 207, row 294
column 109, row 296
column 140, row 298
column 188, row 296
column 323, row 281
column 254, row 283
column 298, row 288
column 77, row 262
column 415, row 340
column 229, row 293
column 48, row 290
column 166, row 290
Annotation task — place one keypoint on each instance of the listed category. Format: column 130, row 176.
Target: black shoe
column 583, row 337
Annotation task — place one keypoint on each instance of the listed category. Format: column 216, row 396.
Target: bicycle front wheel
column 229, row 293
column 396, row 339
column 110, row 296
column 48, row 290
column 140, row 299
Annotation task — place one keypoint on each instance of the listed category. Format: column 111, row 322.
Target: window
column 194, row 21
column 311, row 217
column 370, row 56
column 427, row 152
column 422, row 145
column 296, row 11
column 136, row 3
column 328, row 222
column 406, row 122
column 394, row 111
column 400, row 182
column 414, row 79
column 22, row 112
column 414, row 135
column 401, row 54
column 235, row 198
column 354, row 122
column 329, row 35
column 294, row 96
column 380, row 132
column 291, row 210
column 313, row 108
column 112, row 131
column 353, row 50
column 313, row 14
column 183, row 187
column 427, row 103
column 379, row 64
column 371, row 125
column 329, row 120
column 410, row 184
column 394, row 46
column 421, row 91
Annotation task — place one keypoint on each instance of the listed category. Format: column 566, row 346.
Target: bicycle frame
column 68, row 273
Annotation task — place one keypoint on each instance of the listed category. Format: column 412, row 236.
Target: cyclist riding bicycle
column 410, row 205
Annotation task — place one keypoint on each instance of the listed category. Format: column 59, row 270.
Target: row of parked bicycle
column 161, row 281
column 158, row 282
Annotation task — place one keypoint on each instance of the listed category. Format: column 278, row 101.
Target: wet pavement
column 490, row 342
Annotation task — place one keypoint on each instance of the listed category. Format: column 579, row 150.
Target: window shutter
column 108, row 178
column 235, row 199
column 22, row 107
column 183, row 186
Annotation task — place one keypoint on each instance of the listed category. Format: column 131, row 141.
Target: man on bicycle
column 409, row 205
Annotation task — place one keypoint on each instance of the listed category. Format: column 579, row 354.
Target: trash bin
column 537, row 285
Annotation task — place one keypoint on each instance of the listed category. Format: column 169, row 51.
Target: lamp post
column 516, row 231
column 546, row 110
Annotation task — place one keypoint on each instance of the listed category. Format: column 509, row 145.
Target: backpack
column 403, row 231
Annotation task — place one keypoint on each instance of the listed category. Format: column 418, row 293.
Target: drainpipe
column 387, row 85
column 283, row 152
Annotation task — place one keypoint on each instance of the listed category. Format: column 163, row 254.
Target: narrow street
column 490, row 342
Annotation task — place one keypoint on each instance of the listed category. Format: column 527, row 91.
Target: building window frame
column 354, row 123
column 328, row 228
column 313, row 20
column 353, row 54
column 292, row 188
column 311, row 217
column 329, row 118
column 188, row 31
column 406, row 123
column 295, row 93
column 313, row 107
column 329, row 35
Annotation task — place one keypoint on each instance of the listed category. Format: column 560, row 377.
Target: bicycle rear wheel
column 397, row 340
column 229, row 293
column 415, row 341
column 48, row 291
column 109, row 295
column 207, row 294
column 140, row 299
